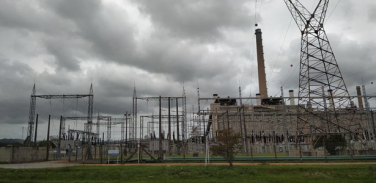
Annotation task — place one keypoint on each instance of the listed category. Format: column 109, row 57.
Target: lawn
column 260, row 173
column 239, row 154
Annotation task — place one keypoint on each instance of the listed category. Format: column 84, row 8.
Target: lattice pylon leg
column 323, row 95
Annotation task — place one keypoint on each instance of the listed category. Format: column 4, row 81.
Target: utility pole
column 160, row 129
column 169, row 125
column 177, row 124
column 58, row 146
column 36, row 131
column 245, row 133
column 48, row 137
column 126, row 132
column 177, row 120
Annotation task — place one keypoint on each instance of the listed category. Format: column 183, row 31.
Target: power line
column 280, row 49
column 332, row 11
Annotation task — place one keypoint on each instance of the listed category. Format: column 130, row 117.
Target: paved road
column 45, row 164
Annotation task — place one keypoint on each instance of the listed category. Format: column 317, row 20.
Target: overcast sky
column 159, row 46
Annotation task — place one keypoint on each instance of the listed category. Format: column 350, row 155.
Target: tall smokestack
column 261, row 65
column 360, row 101
column 258, row 100
column 331, row 101
column 292, row 99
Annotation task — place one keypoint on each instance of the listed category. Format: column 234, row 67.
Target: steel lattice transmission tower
column 30, row 129
column 323, row 97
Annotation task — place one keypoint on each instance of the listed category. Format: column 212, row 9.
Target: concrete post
column 76, row 147
column 69, row 152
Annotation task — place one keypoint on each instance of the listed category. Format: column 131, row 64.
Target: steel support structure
column 133, row 125
column 30, row 129
column 184, row 116
column 319, row 76
column 33, row 97
column 318, row 70
column 183, row 98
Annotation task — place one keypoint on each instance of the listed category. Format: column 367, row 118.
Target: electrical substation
column 288, row 125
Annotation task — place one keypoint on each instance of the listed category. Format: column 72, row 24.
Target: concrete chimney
column 352, row 104
column 309, row 106
column 360, row 101
column 258, row 99
column 261, row 65
column 291, row 94
column 331, row 101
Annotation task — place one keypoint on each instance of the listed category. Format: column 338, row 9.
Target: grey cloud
column 14, row 92
column 64, row 56
column 109, row 34
column 372, row 14
column 200, row 20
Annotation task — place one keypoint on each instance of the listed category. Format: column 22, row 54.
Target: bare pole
column 58, row 149
column 177, row 120
column 199, row 109
column 36, row 131
column 239, row 114
column 177, row 126
column 126, row 132
column 275, row 146
column 169, row 125
column 160, row 129
column 245, row 133
column 48, row 137
column 132, row 130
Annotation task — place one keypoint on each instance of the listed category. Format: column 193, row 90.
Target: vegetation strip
column 270, row 173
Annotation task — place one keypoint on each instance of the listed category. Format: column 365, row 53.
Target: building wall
column 282, row 120
column 22, row 154
column 6, row 154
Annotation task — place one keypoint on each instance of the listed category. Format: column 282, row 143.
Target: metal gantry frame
column 182, row 114
column 109, row 122
column 33, row 107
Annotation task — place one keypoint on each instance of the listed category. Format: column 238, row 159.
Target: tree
column 228, row 145
column 331, row 143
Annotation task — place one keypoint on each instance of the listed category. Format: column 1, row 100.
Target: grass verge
column 268, row 173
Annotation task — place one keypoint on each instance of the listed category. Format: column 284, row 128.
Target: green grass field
column 240, row 154
column 261, row 173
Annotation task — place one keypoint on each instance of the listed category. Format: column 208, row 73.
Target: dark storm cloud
column 199, row 20
column 28, row 15
column 355, row 59
column 90, row 29
column 14, row 92
column 107, row 34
